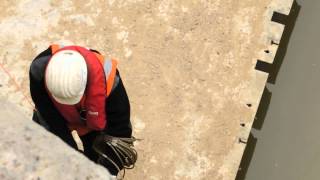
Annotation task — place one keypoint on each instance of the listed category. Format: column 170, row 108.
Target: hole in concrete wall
column 263, row 66
column 274, row 43
column 242, row 141
column 267, row 51
column 243, row 124
column 249, row 104
column 279, row 18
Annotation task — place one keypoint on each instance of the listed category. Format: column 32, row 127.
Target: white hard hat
column 66, row 76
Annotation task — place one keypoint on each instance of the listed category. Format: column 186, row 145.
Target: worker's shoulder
column 37, row 67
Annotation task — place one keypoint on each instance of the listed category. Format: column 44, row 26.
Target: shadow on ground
column 273, row 70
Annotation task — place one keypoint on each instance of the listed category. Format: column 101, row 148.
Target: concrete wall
column 29, row 152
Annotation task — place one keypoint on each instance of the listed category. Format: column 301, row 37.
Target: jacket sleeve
column 54, row 120
column 118, row 111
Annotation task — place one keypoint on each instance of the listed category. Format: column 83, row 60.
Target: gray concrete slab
column 28, row 151
column 288, row 145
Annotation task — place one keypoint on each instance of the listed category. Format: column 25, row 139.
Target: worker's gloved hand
column 115, row 153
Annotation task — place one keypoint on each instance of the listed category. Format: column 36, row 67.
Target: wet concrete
column 285, row 143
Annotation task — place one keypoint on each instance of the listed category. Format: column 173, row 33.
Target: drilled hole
column 242, row 141
column 267, row 51
column 249, row 105
column 274, row 43
column 243, row 124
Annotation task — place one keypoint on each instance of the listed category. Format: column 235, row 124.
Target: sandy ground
column 188, row 67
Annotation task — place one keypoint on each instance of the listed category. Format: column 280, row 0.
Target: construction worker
column 75, row 89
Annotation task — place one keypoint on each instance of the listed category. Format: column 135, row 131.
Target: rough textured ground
column 24, row 155
column 188, row 67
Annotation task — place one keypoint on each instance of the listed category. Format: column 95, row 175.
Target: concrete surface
column 287, row 146
column 188, row 67
column 24, row 152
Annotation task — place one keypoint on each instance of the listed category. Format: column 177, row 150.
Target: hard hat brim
column 68, row 101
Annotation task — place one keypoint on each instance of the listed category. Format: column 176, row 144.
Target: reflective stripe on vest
column 110, row 70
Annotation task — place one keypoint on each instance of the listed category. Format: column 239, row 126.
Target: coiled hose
column 123, row 148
